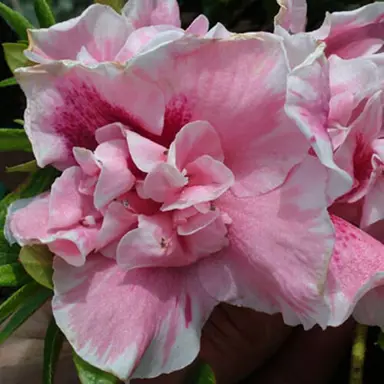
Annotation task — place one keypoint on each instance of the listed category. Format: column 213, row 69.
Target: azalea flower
column 348, row 34
column 100, row 34
column 182, row 187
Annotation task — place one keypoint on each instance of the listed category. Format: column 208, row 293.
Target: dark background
column 237, row 16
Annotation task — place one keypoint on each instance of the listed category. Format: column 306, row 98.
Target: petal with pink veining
column 143, row 13
column 279, row 248
column 66, row 104
column 243, row 100
column 99, row 32
column 147, row 315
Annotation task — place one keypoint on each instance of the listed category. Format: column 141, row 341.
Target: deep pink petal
column 242, row 99
column 353, row 33
column 66, row 104
column 355, row 276
column 292, row 15
column 280, row 245
column 143, row 13
column 136, row 324
column 95, row 36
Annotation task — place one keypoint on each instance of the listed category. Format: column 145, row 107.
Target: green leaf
column 52, row 348
column 8, row 254
column 44, row 13
column 14, row 140
column 16, row 300
column 16, row 21
column 37, row 261
column 13, row 275
column 29, row 306
column 92, row 375
column 8, row 82
column 201, row 373
column 30, row 166
column 14, row 55
column 380, row 340
column 19, row 121
column 117, row 5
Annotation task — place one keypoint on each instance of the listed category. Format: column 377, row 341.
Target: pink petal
column 292, row 15
column 115, row 177
column 87, row 161
column 114, row 131
column 99, row 31
column 218, row 32
column 195, row 222
column 274, row 239
column 193, row 141
column 242, row 99
column 163, row 183
column 353, row 33
column 355, row 276
column 29, row 225
column 208, row 179
column 136, row 324
column 143, row 13
column 145, row 153
column 117, row 221
column 307, row 104
column 373, row 207
column 67, row 103
column 199, row 26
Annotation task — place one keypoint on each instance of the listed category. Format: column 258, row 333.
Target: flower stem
column 358, row 354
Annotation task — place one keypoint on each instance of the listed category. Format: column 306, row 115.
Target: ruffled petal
column 292, row 15
column 136, row 324
column 143, row 13
column 66, row 103
column 274, row 239
column 97, row 35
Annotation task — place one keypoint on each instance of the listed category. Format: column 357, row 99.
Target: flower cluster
column 201, row 166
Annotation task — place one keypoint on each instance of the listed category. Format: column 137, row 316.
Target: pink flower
column 349, row 34
column 185, row 183
column 100, row 34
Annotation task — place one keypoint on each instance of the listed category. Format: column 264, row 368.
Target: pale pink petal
column 143, row 13
column 353, row 33
column 146, row 154
column 218, row 32
column 278, row 253
column 67, row 103
column 29, row 225
column 87, row 161
column 114, row 131
column 242, row 99
column 163, row 183
column 193, row 141
column 115, row 177
column 292, row 15
column 208, row 179
column 356, row 270
column 99, row 32
column 195, row 222
column 117, row 221
column 373, row 206
column 136, row 324
column 307, row 104
column 199, row 26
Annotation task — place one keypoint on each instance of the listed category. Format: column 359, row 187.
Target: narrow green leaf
column 117, row 5
column 359, row 349
column 37, row 261
column 201, row 373
column 92, row 375
column 16, row 300
column 14, row 55
column 13, row 275
column 8, row 82
column 52, row 348
column 44, row 13
column 19, row 121
column 30, row 166
column 14, row 140
column 29, row 306
column 16, row 21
